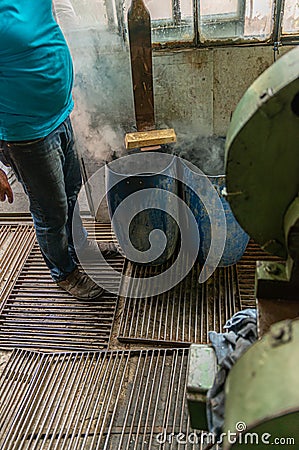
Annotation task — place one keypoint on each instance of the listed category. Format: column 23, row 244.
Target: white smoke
column 102, row 90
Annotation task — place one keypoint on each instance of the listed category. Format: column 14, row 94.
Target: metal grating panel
column 183, row 315
column 118, row 400
column 39, row 315
column 16, row 241
column 246, row 273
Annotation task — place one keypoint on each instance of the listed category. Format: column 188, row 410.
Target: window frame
column 276, row 37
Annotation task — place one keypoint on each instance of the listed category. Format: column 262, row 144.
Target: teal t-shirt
column 36, row 71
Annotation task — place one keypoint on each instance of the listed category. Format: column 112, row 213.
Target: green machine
column 262, row 173
column 262, row 393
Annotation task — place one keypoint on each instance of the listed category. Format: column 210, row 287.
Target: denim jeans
column 49, row 171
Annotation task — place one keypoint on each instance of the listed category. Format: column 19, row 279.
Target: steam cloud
column 205, row 152
column 102, row 90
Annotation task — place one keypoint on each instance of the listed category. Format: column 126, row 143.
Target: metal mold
column 153, row 211
column 198, row 196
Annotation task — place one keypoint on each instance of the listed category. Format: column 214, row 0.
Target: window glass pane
column 187, row 8
column 89, row 24
column 172, row 20
column 86, row 13
column 291, row 17
column 235, row 20
column 219, row 19
column 259, row 18
column 159, row 10
column 209, row 8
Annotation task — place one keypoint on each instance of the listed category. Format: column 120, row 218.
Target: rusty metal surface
column 11, row 218
column 16, row 241
column 273, row 311
column 139, row 28
column 121, row 400
column 183, row 315
column 246, row 269
column 37, row 314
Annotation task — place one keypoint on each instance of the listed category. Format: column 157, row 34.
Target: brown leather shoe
column 80, row 286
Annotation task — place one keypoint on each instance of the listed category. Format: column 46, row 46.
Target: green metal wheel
column 262, row 154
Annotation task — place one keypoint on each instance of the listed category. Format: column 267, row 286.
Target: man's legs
column 50, row 173
column 39, row 167
column 73, row 183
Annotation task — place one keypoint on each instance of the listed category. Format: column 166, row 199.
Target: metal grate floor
column 39, row 315
column 246, row 273
column 16, row 241
column 121, row 400
column 183, row 315
column 95, row 400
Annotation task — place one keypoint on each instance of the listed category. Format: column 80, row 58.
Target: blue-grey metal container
column 197, row 194
column 154, row 195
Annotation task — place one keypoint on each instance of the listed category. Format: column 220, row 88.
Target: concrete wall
column 199, row 89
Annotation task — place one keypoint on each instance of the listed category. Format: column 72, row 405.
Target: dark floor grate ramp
column 246, row 269
column 119, row 400
column 16, row 241
column 183, row 315
column 39, row 315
